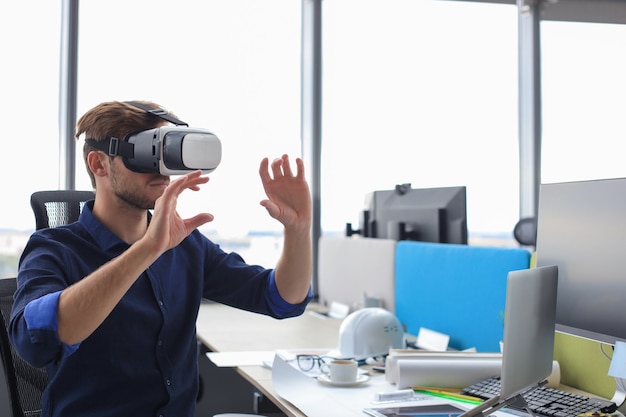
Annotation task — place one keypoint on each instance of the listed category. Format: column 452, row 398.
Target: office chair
column 525, row 231
column 58, row 207
column 25, row 382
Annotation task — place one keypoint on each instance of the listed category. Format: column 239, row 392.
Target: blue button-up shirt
column 142, row 360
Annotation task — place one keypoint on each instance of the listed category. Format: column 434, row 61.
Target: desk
column 225, row 329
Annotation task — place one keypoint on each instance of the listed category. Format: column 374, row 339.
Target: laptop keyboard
column 545, row 401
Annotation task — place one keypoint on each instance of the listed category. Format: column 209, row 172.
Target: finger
column 263, row 170
column 287, row 166
column 277, row 168
column 195, row 184
column 300, row 166
column 198, row 220
column 195, row 178
column 271, row 207
column 179, row 184
column 191, row 181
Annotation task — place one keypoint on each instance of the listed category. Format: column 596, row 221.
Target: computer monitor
column 582, row 229
column 421, row 214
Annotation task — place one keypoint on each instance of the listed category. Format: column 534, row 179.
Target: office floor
column 223, row 390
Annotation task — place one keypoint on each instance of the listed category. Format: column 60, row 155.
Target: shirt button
column 160, row 343
column 161, row 303
column 168, row 382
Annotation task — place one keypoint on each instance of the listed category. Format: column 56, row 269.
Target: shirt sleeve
column 279, row 306
column 42, row 323
column 41, row 313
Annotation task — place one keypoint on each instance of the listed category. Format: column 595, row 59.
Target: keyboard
column 545, row 401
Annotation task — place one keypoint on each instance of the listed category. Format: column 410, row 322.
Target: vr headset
column 167, row 150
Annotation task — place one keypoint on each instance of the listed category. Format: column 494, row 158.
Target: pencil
column 438, row 389
column 450, row 395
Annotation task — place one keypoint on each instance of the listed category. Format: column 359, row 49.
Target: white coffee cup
column 341, row 370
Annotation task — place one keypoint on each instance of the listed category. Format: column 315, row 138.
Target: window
column 30, row 89
column 414, row 91
column 584, row 101
column 230, row 66
column 421, row 92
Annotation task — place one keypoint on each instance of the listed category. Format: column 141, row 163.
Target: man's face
column 135, row 189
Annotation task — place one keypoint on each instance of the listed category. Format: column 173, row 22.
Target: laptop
column 529, row 326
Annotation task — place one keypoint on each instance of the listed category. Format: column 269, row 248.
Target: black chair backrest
column 25, row 382
column 58, row 207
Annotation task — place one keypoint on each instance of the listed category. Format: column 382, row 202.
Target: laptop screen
column 529, row 325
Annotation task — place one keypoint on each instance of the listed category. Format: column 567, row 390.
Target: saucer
column 325, row 379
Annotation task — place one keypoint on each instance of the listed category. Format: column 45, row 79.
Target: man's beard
column 133, row 196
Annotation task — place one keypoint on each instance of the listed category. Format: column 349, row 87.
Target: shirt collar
column 106, row 239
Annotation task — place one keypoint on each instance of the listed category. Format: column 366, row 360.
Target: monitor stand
column 620, row 392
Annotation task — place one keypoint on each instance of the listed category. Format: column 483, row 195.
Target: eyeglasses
column 308, row 362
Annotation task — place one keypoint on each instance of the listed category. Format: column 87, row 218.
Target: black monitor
column 581, row 227
column 422, row 214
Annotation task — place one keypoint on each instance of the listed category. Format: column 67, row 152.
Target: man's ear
column 99, row 163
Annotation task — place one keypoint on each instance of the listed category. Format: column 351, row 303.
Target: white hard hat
column 370, row 332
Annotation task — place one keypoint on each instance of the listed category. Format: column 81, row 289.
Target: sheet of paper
column 232, row 359
column 315, row 399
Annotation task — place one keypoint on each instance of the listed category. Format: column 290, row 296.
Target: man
column 108, row 304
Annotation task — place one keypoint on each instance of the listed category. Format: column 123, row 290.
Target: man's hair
column 114, row 119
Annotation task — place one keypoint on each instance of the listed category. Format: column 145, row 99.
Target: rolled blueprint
column 453, row 372
column 444, row 373
column 391, row 365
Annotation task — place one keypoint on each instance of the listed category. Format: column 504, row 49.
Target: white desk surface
column 225, row 329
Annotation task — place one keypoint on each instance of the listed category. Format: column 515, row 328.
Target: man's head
column 114, row 119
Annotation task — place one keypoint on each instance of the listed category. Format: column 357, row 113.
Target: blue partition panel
column 454, row 289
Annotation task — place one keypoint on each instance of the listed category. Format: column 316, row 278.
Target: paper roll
column 451, row 372
column 391, row 366
column 445, row 373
